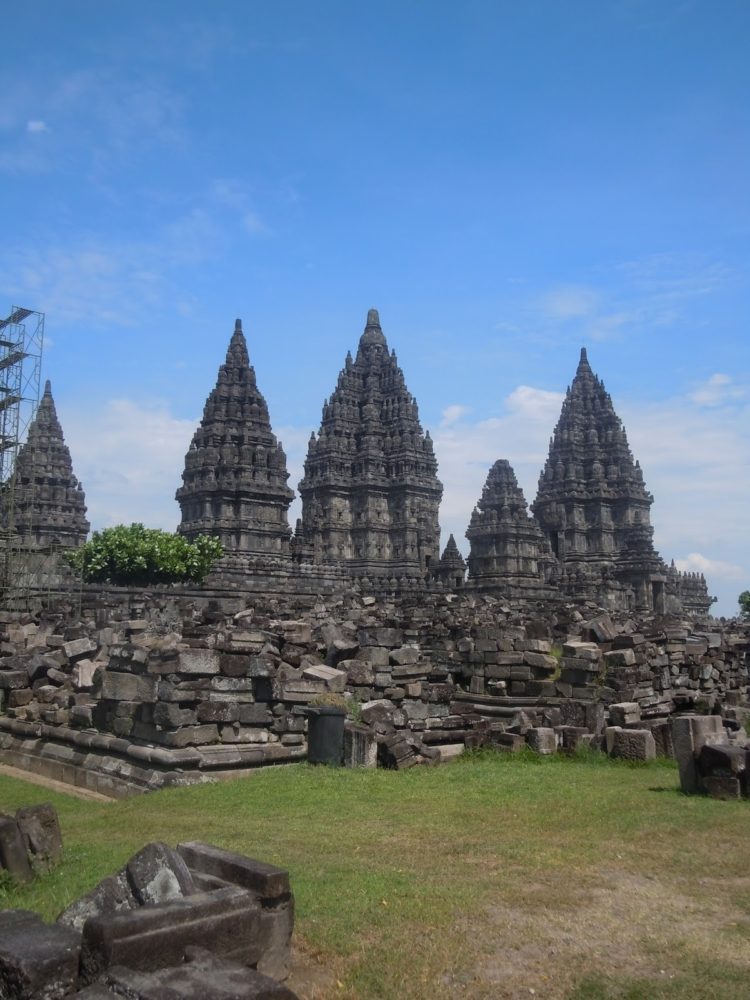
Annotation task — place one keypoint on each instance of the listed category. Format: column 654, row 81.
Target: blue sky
column 506, row 182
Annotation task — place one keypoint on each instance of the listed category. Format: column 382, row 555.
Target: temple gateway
column 370, row 497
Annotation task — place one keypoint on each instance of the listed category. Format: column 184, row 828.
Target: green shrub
column 138, row 556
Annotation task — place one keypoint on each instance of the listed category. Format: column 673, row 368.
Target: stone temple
column 591, row 533
column 370, row 491
column 49, row 502
column 234, row 483
column 370, row 498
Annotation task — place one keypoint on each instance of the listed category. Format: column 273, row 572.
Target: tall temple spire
column 49, row 502
column 234, row 483
column 370, row 491
column 592, row 502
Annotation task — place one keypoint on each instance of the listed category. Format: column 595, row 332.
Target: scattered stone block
column 13, row 856
column 360, row 746
column 41, row 835
column 542, row 740
column 202, row 975
column 334, row 680
column 624, row 713
column 689, row 734
column 38, row 961
column 631, row 744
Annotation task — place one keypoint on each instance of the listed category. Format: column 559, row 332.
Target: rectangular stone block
column 268, row 882
column 202, row 662
column 77, row 649
column 226, row 921
column 631, row 744
column 542, row 740
column 128, row 687
column 217, row 711
column 38, row 961
column 624, row 712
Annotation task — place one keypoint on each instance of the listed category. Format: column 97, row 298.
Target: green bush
column 138, row 556
column 744, row 603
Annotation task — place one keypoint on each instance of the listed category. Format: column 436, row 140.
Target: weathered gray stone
column 625, row 712
column 38, row 961
column 631, row 744
column 13, row 856
column 202, row 975
column 112, row 895
column 226, row 920
column 157, row 874
column 41, row 835
column 541, row 739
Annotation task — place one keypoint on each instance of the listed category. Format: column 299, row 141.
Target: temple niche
column 49, row 505
column 235, row 478
column 509, row 553
column 370, row 491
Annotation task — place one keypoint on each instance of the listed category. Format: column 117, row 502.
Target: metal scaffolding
column 21, row 345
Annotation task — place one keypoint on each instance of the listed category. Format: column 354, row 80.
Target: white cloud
column 535, row 404
column 452, row 413
column 716, row 390
column 570, row 302
column 694, row 562
column 132, row 464
column 36, row 126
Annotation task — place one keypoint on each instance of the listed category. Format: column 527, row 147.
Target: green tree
column 744, row 602
column 137, row 556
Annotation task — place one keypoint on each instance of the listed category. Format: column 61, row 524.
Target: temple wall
column 143, row 690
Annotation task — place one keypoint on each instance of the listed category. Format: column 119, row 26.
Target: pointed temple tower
column 594, row 507
column 451, row 569
column 509, row 553
column 370, row 491
column 50, row 505
column 234, row 483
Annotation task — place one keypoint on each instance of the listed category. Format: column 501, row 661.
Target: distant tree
column 137, row 556
column 744, row 602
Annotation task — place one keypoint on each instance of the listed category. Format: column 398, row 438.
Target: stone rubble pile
column 165, row 692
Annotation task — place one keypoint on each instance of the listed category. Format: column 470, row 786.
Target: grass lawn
column 495, row 876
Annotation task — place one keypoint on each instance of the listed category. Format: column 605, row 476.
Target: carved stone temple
column 370, row 497
column 235, row 481
column 509, row 552
column 370, row 491
column 591, row 533
column 48, row 503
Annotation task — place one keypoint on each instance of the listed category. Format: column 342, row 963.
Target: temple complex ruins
column 370, row 498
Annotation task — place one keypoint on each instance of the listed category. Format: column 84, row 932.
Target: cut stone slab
column 334, row 680
column 40, row 831
column 38, row 961
column 203, row 975
column 13, row 856
column 542, row 739
column 227, row 921
column 632, row 744
column 624, row 712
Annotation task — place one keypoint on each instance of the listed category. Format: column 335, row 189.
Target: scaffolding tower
column 21, row 345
